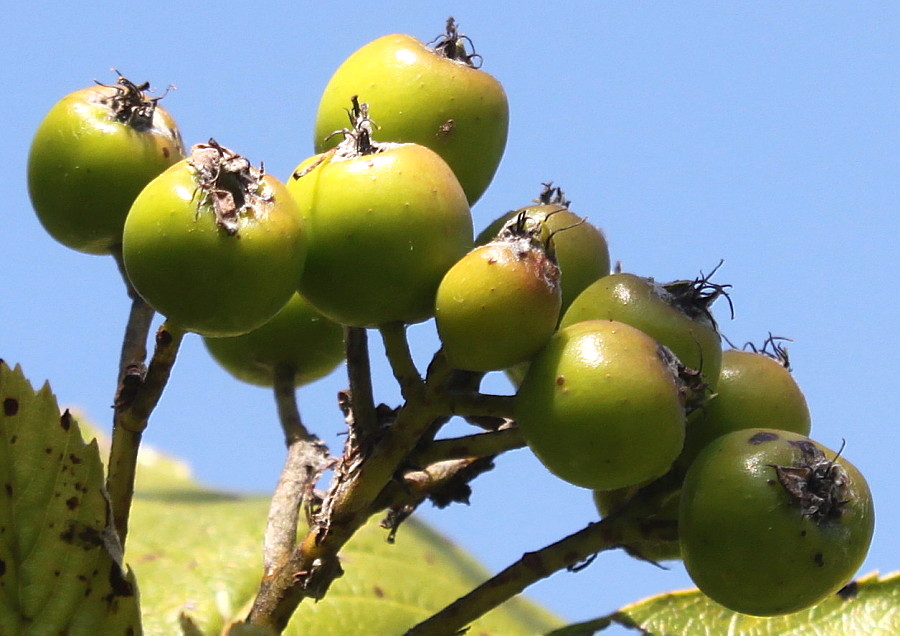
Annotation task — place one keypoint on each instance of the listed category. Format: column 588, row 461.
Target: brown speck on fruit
column 446, row 128
column 849, row 591
column 10, row 407
column 762, row 438
column 560, row 380
column 378, row 592
column 166, row 152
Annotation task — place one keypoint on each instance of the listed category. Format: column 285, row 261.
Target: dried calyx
column 695, row 297
column 130, row 103
column 452, row 45
column 552, row 195
column 357, row 139
column 773, row 348
column 817, row 485
column 228, row 184
column 693, row 390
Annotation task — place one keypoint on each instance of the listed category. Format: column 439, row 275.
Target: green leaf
column 60, row 566
column 871, row 606
column 198, row 555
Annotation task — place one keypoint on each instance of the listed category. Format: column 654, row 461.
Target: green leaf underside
column 873, row 609
column 58, row 568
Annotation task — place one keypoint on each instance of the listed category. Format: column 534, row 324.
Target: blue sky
column 762, row 133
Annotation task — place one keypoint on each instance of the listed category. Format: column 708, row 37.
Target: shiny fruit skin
column 384, row 229
column 754, row 390
column 297, row 338
column 497, row 306
column 744, row 538
column 85, row 168
column 637, row 301
column 418, row 96
column 581, row 251
column 600, row 406
column 199, row 276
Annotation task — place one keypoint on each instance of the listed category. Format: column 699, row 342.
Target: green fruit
column 499, row 304
column 386, row 222
column 754, row 390
column 772, row 522
column 213, row 244
column 91, row 155
column 298, row 339
column 601, row 406
column 681, row 321
column 579, row 247
column 432, row 97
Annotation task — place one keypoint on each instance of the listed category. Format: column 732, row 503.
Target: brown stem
column 396, row 348
column 532, row 567
column 306, row 458
column 133, row 407
column 470, row 446
column 358, row 480
column 365, row 418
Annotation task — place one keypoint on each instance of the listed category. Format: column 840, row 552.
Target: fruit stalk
column 138, row 395
column 306, row 458
column 396, row 348
column 506, row 438
column 356, row 342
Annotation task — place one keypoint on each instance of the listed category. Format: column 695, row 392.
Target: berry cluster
column 622, row 384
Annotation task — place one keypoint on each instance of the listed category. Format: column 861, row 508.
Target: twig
column 135, row 402
column 356, row 343
column 396, row 348
column 357, row 483
column 140, row 317
column 306, row 458
column 532, row 567
column 470, row 446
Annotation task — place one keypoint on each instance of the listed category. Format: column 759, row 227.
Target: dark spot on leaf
column 66, row 420
column 13, row 439
column 74, row 458
column 48, row 450
column 117, row 581
column 129, row 631
column 819, row 558
column 88, row 590
column 10, row 407
column 849, row 591
column 81, row 535
column 378, row 592
column 9, row 489
column 761, row 438
column 56, row 572
column 72, row 503
column 803, row 533
column 2, row 567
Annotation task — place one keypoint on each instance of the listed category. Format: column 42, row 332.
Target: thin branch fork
column 357, row 483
